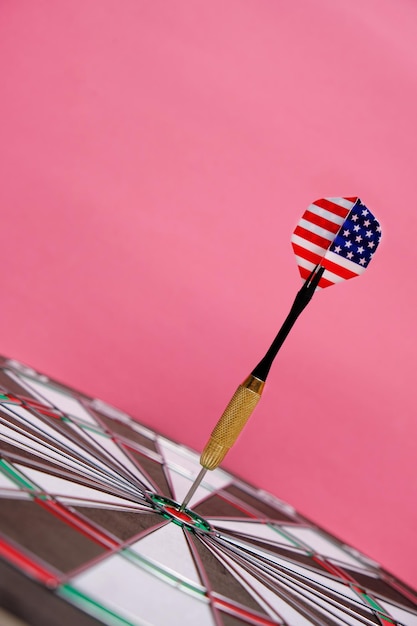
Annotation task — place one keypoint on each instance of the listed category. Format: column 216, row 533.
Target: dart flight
column 339, row 234
column 334, row 241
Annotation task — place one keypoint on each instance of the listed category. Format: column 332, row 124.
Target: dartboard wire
column 261, row 561
column 122, row 438
column 251, row 511
column 73, row 422
column 231, row 542
column 119, row 467
column 50, row 463
column 240, row 537
column 36, row 393
column 254, row 619
column 14, row 459
column 204, row 578
column 283, row 575
column 24, row 485
column 35, row 490
column 30, row 429
column 80, row 501
column 212, row 546
column 332, row 570
column 310, row 610
column 58, row 445
column 156, row 488
column 65, row 500
column 77, row 479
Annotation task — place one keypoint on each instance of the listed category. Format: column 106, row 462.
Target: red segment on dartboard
column 30, row 403
column 20, row 560
column 245, row 614
column 77, row 523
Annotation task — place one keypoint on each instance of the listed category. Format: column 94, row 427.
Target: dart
column 334, row 241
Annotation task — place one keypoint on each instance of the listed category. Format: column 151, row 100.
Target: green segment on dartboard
column 14, row 475
column 162, row 574
column 90, row 606
column 377, row 608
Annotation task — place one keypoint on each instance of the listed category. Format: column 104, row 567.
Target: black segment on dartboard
column 34, row 604
column 218, row 506
column 153, row 469
column 124, row 430
column 71, row 433
column 280, row 588
column 27, row 459
column 42, row 533
column 124, row 525
column 231, row 620
column 354, row 607
column 9, row 385
column 286, row 553
column 220, row 578
column 382, row 589
column 258, row 505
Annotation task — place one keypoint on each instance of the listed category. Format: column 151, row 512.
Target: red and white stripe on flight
column 314, row 235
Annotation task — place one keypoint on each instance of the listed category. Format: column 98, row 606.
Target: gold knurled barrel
column 231, row 423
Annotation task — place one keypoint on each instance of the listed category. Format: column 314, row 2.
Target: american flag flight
column 340, row 234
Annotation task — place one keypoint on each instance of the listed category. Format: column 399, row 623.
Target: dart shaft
column 193, row 488
column 248, row 394
column 231, row 423
column 227, row 429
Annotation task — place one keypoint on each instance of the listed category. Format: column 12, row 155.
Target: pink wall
column 155, row 158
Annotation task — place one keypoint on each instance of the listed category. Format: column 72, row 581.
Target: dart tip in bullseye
column 193, row 488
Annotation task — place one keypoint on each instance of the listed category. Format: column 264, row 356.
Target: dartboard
column 91, row 530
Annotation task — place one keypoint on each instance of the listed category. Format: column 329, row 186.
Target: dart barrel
column 231, row 423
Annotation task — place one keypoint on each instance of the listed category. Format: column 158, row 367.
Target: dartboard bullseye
column 172, row 510
column 92, row 531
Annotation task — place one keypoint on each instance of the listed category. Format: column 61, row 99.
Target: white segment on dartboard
column 319, row 543
column 302, row 587
column 178, row 558
column 283, row 608
column 181, row 484
column 68, row 491
column 252, row 529
column 69, row 405
column 142, row 598
column 401, row 615
column 22, row 440
column 55, row 436
column 182, row 465
column 110, row 449
column 53, row 396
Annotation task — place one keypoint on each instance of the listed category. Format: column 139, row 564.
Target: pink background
column 155, row 158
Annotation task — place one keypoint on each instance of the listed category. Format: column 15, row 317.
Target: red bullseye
column 180, row 515
column 172, row 510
